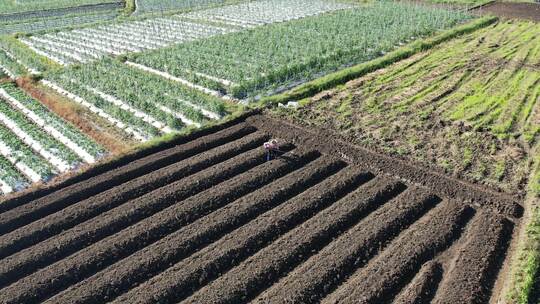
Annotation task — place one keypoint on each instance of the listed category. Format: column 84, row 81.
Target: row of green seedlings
column 56, row 22
column 37, row 143
column 272, row 58
column 143, row 105
column 32, row 9
column 19, row 60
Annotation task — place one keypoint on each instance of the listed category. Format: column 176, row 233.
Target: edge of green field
column 331, row 80
column 525, row 265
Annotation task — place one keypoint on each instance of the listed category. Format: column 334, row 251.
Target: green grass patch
column 527, row 273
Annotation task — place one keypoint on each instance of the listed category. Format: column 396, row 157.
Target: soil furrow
column 47, row 252
column 185, row 277
column 411, row 171
column 153, row 259
column 319, row 275
column 22, row 215
column 262, row 269
column 474, row 270
column 382, row 278
column 59, row 276
column 423, row 287
column 55, row 223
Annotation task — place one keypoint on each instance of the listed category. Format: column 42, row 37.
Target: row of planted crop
column 267, row 58
column 35, row 142
column 31, row 9
column 45, row 24
column 19, row 59
column 256, row 13
column 160, row 6
column 84, row 45
column 142, row 104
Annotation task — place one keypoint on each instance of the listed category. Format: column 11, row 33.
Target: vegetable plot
column 19, row 59
column 54, row 125
column 142, row 104
column 257, row 13
column 35, row 143
column 10, row 179
column 84, row 45
column 273, row 57
column 159, row 6
column 43, row 24
column 36, row 7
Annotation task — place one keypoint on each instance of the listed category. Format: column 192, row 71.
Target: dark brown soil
column 421, row 289
column 529, row 11
column 212, row 221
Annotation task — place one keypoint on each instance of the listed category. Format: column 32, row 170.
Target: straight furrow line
column 423, row 287
column 13, row 216
column 53, row 279
column 47, row 252
column 474, row 268
column 262, row 269
column 187, row 276
column 383, row 277
column 153, row 259
column 322, row 273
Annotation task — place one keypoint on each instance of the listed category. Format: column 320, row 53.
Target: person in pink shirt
column 272, row 149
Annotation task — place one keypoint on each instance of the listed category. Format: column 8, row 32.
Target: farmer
column 272, row 148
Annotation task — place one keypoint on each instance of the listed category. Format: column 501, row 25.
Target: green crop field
column 17, row 6
column 148, row 93
column 270, row 57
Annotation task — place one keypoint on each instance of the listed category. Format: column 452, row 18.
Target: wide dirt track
column 212, row 221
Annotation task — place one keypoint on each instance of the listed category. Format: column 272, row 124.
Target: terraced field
column 212, row 221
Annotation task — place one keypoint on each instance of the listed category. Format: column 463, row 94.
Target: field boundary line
column 331, row 80
column 524, row 266
column 406, row 169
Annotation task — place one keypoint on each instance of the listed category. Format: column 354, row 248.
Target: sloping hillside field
column 212, row 221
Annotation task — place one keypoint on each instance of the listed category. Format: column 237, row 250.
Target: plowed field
column 212, row 221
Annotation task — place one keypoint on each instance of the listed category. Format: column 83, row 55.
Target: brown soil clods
column 529, row 11
column 212, row 221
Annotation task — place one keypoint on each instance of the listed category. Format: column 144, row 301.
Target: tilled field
column 212, row 221
column 518, row 10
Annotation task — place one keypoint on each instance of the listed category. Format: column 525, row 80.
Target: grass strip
column 130, row 8
column 526, row 273
column 313, row 87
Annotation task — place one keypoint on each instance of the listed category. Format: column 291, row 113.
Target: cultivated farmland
column 187, row 152
column 211, row 221
column 162, row 6
column 35, row 144
column 34, row 16
column 143, row 104
column 267, row 58
column 40, row 8
column 84, row 45
column 47, row 23
column 475, row 115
